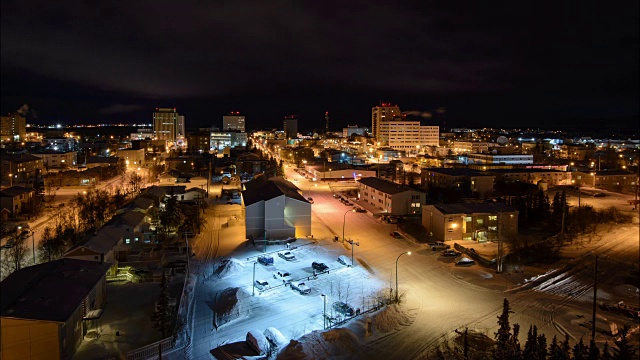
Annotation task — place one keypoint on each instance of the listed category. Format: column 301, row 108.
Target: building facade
column 233, row 122
column 515, row 159
column 406, row 135
column 21, row 167
column 390, row 198
column 470, row 182
column 13, row 127
column 133, row 158
column 58, row 160
column 478, row 222
column 380, row 113
column 290, row 126
column 168, row 124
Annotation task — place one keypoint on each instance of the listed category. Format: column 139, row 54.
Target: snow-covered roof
column 272, row 188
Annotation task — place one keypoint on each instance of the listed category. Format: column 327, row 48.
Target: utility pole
column 186, row 239
column 500, row 244
column 352, row 244
column 595, row 293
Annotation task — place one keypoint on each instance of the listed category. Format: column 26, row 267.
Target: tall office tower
column 290, row 125
column 383, row 112
column 167, row 124
column 326, row 123
column 234, row 122
column 13, row 127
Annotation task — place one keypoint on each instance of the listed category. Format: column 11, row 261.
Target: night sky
column 545, row 64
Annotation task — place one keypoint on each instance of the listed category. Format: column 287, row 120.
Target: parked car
column 451, row 252
column 310, row 200
column 9, row 244
column 287, row 255
column 262, row 284
column 438, row 245
column 343, row 308
column 265, row 260
column 360, row 210
column 392, row 220
column 464, row 261
column 282, row 275
column 599, row 194
column 301, row 287
column 344, row 260
column 396, row 234
column 319, row 266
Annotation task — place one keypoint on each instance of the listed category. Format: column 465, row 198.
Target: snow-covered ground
column 438, row 297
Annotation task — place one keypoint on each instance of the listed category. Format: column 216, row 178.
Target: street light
column 344, row 220
column 324, row 311
column 10, row 180
column 408, row 253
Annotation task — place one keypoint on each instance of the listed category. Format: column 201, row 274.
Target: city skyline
column 510, row 65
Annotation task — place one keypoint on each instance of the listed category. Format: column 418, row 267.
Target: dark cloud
column 166, row 50
column 121, row 108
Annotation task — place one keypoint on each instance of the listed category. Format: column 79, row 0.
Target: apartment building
column 387, row 197
column 13, row 127
column 479, row 222
column 469, row 181
column 383, row 112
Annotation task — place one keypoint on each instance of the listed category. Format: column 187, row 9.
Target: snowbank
column 223, row 267
column 275, row 337
column 390, row 318
column 322, row 345
column 257, row 341
column 230, row 304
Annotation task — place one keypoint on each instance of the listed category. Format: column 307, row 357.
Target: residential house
column 16, row 199
column 46, row 309
column 479, row 222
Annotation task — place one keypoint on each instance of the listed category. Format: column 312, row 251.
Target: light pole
column 33, row 245
column 324, row 312
column 10, row 180
column 352, row 244
column 344, row 220
column 408, row 253
column 253, row 291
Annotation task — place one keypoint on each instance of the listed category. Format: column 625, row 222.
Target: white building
column 407, row 135
column 220, row 140
column 275, row 209
column 351, row 130
column 58, row 160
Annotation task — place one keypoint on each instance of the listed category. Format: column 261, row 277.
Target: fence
column 151, row 351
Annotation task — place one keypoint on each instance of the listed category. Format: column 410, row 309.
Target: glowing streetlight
column 408, row 253
column 344, row 220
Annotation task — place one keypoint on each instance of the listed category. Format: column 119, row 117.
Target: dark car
column 343, row 308
column 396, row 235
column 451, row 252
column 319, row 266
column 360, row 210
column 265, row 260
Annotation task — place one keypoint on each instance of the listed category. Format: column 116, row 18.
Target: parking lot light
column 324, row 311
column 344, row 220
column 408, row 253
column 253, row 291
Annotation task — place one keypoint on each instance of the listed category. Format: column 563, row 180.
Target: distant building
column 290, row 125
column 533, row 176
column 168, row 124
column 351, row 130
column 383, row 112
column 515, row 159
column 133, row 158
column 199, row 141
column 142, row 134
column 221, row 140
column 390, row 198
column 233, row 122
column 275, row 209
column 16, row 199
column 47, row 308
column 479, row 222
column 58, row 159
column 13, row 127
column 470, row 182
column 22, row 167
column 61, row 144
column 619, row 181
column 406, row 135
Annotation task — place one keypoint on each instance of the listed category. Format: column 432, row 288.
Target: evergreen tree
column 624, row 351
column 504, row 342
column 580, row 351
column 516, row 352
column 606, row 355
column 594, row 351
column 542, row 347
column 161, row 317
column 565, row 349
column 531, row 345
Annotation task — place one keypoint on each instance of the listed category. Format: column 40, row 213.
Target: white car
column 282, row 275
column 464, row 261
column 287, row 255
column 261, row 284
column 344, row 260
column 301, row 287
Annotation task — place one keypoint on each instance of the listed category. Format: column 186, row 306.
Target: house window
column 449, row 230
column 95, row 257
column 127, row 241
column 480, row 221
column 493, row 218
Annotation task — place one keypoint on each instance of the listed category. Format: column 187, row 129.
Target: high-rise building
column 290, row 125
column 234, row 121
column 13, row 127
column 168, row 124
column 383, row 112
